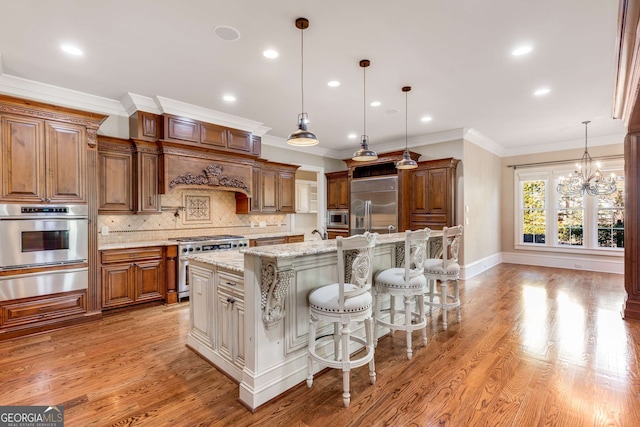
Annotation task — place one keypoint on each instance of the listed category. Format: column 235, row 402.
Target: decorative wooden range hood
column 182, row 166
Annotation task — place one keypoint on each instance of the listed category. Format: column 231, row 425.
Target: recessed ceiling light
column 333, row 83
column 522, row 50
column 426, row 119
column 542, row 91
column 229, row 98
column 270, row 53
column 353, row 136
column 226, row 33
column 376, row 104
column 72, row 50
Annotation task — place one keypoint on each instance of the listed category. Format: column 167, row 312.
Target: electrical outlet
column 105, row 230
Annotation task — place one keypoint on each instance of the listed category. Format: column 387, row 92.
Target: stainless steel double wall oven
column 46, row 246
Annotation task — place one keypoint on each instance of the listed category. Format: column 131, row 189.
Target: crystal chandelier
column 585, row 178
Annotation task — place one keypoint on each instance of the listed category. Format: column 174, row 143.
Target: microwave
column 338, row 218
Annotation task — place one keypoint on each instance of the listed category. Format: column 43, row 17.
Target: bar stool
column 407, row 282
column 342, row 303
column 444, row 270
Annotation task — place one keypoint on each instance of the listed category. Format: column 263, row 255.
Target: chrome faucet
column 323, row 234
column 391, row 228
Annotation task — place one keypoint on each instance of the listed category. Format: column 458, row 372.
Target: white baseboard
column 599, row 264
column 467, row 271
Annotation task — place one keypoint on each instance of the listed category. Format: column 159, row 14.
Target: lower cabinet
column 132, row 276
column 280, row 240
column 332, row 234
column 41, row 309
column 230, row 317
column 217, row 316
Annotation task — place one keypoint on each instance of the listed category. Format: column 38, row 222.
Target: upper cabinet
column 216, row 137
column 43, row 151
column 146, row 126
column 127, row 176
column 306, row 196
column 43, row 161
column 337, row 190
column 274, row 190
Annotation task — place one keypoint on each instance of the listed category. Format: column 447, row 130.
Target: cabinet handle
column 231, row 283
column 149, row 200
column 231, row 300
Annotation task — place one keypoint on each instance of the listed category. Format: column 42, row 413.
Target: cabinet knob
column 231, row 300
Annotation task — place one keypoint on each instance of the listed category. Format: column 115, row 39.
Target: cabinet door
column 238, row 331
column 23, row 159
column 286, row 192
column 149, row 283
column 333, row 194
column 117, row 285
column 148, row 197
column 213, row 135
column 239, row 140
column 115, row 177
column 267, row 241
column 47, row 307
column 224, row 340
column 269, row 190
column 332, row 234
column 302, row 197
column 438, row 191
column 66, row 160
column 201, row 283
column 255, row 204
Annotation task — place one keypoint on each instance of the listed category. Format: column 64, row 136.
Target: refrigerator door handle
column 367, row 215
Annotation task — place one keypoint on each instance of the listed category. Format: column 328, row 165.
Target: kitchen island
column 251, row 319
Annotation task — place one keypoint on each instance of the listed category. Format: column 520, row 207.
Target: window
column 548, row 220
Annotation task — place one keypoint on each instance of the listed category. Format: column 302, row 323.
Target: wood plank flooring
column 536, row 347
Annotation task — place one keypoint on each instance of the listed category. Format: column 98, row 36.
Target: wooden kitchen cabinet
column 230, row 317
column 42, row 309
column 279, row 240
column 274, row 188
column 217, row 316
column 43, row 161
column 337, row 190
column 146, row 126
column 194, row 132
column 432, row 194
column 332, row 234
column 132, row 276
column 127, row 176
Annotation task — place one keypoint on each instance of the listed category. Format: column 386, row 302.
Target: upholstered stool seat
column 409, row 283
column 342, row 304
column 445, row 270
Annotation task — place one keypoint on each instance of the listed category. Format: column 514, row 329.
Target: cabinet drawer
column 43, row 308
column 132, row 254
column 230, row 281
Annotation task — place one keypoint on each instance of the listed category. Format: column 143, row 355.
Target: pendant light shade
column 302, row 136
column 364, row 153
column 407, row 162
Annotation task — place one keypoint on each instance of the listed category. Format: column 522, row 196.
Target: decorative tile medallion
column 197, row 209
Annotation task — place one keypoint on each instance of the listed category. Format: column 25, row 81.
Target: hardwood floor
column 536, row 347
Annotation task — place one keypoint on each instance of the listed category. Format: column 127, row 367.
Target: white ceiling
column 455, row 54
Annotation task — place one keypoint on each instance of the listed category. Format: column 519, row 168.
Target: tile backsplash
column 188, row 213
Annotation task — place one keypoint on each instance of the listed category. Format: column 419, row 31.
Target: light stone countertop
column 147, row 243
column 311, row 247
column 230, row 260
column 138, row 244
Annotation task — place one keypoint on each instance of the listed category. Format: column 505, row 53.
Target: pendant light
column 407, row 162
column 364, row 153
column 302, row 137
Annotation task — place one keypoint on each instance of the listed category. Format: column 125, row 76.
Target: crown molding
column 29, row 89
column 566, row 145
column 483, row 141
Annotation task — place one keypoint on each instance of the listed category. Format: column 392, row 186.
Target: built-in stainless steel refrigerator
column 374, row 205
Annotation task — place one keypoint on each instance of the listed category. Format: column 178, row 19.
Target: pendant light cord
column 302, row 68
column 364, row 100
column 406, row 120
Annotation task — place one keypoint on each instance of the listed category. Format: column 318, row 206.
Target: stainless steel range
column 200, row 244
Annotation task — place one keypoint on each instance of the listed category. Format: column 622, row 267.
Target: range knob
column 190, row 249
column 198, row 248
column 185, row 250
